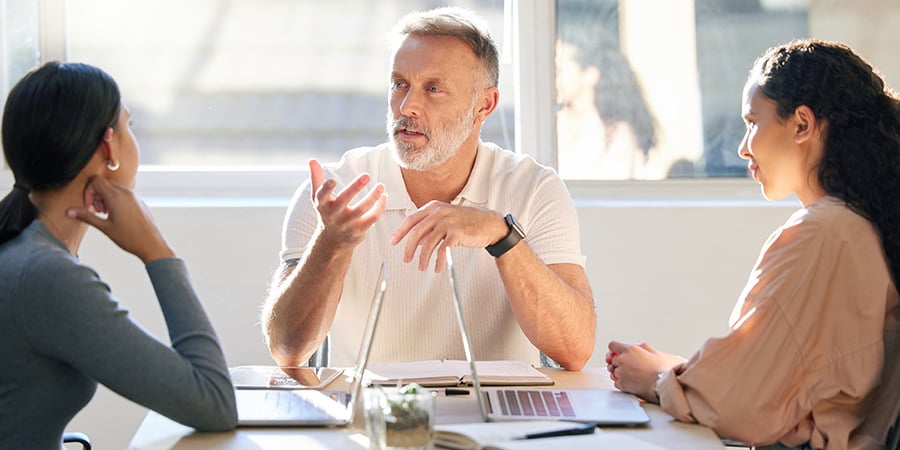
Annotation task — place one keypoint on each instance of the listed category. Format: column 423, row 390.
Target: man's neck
column 442, row 182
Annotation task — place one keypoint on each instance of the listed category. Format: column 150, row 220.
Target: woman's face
column 126, row 150
column 773, row 156
column 573, row 82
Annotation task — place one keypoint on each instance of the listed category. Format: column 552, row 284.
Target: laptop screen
column 467, row 346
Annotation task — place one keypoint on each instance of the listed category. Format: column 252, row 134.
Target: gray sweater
column 62, row 332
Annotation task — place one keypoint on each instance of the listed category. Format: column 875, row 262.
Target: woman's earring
column 112, row 166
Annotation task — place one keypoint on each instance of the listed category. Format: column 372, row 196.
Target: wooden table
column 159, row 433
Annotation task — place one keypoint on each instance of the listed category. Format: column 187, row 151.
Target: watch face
column 515, row 225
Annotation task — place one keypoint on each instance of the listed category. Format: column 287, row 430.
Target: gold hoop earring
column 112, row 166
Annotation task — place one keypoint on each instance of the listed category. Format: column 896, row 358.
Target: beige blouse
column 809, row 334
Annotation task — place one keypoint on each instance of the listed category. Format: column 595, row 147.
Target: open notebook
column 602, row 407
column 435, row 373
column 312, row 407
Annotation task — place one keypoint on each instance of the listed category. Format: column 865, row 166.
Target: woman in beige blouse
column 811, row 358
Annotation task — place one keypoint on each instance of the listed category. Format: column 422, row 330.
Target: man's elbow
column 288, row 353
column 577, row 357
column 579, row 350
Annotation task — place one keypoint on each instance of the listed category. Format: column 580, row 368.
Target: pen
column 583, row 428
column 451, row 391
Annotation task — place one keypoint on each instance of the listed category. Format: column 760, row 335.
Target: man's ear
column 805, row 123
column 487, row 103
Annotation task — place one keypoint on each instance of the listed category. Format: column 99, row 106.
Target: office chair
column 321, row 357
column 892, row 374
column 893, row 436
column 79, row 438
column 548, row 362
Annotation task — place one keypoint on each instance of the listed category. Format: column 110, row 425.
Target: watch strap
column 512, row 238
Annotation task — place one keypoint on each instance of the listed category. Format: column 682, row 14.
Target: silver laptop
column 599, row 406
column 312, row 407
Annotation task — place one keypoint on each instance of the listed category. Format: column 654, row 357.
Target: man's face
column 432, row 99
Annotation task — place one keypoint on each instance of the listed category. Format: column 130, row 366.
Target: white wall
column 668, row 274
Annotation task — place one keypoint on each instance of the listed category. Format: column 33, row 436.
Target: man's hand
column 345, row 224
column 438, row 226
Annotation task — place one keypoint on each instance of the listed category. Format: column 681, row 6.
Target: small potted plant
column 407, row 415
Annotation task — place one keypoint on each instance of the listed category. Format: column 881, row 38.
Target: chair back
column 893, row 437
column 79, row 438
column 322, row 356
column 887, row 404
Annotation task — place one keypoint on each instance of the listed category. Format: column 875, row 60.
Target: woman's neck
column 51, row 211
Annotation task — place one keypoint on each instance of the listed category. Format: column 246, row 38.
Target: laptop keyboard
column 534, row 403
column 312, row 404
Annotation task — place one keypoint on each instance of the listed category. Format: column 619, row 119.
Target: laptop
column 312, row 407
column 598, row 406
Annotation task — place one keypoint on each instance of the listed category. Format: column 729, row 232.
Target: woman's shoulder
column 36, row 262
column 830, row 215
column 825, row 223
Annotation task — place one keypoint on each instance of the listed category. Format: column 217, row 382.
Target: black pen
column 583, row 428
column 451, row 391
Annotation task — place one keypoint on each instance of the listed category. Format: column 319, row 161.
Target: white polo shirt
column 418, row 321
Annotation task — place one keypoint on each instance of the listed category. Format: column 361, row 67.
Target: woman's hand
column 124, row 218
column 635, row 368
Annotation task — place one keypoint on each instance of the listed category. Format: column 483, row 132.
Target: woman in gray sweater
column 67, row 138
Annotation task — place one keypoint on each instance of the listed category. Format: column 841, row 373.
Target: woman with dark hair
column 605, row 128
column 67, row 139
column 812, row 357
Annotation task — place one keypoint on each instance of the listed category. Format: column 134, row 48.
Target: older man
column 509, row 222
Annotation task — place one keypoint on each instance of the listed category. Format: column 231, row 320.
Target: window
column 230, row 98
column 19, row 41
column 651, row 89
column 249, row 83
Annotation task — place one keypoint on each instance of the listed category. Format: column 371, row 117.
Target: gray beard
column 441, row 146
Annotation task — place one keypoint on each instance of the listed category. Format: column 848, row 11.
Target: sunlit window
column 644, row 89
column 255, row 83
column 19, row 41
column 651, row 89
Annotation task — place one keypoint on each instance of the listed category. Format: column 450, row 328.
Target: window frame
column 533, row 30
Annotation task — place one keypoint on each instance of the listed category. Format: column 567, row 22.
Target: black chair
column 322, row 356
column 893, row 436
column 79, row 438
column 892, row 379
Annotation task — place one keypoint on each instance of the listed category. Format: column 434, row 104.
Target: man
column 439, row 187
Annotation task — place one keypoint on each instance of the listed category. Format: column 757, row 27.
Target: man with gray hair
column 436, row 186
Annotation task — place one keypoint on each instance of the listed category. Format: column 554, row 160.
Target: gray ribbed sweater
column 62, row 332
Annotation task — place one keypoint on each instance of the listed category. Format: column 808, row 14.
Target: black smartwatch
column 512, row 238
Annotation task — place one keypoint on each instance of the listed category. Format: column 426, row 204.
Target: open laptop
column 599, row 406
column 313, row 407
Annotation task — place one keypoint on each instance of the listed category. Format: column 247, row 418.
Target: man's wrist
column 513, row 236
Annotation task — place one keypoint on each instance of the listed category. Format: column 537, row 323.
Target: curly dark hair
column 861, row 161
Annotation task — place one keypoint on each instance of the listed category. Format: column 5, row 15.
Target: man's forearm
column 553, row 305
column 300, row 310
